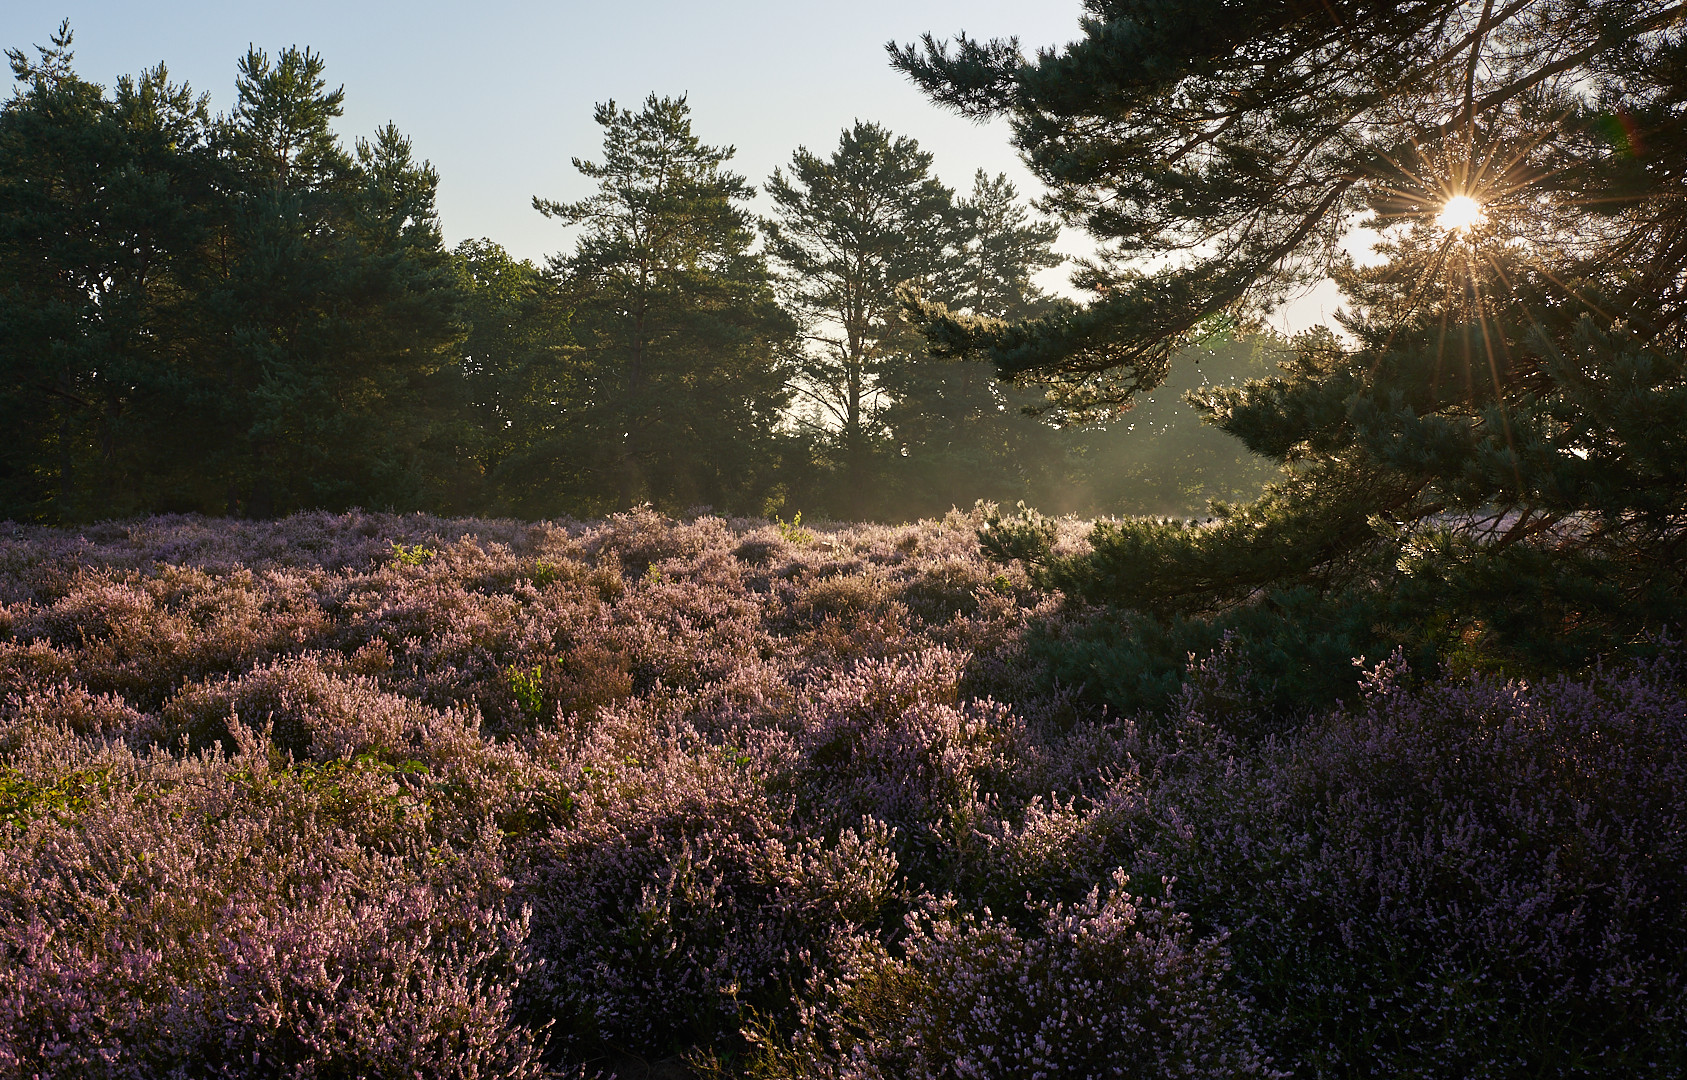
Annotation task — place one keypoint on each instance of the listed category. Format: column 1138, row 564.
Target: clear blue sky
column 499, row 95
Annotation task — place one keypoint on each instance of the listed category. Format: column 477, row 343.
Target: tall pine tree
column 106, row 203
column 848, row 231
column 335, row 298
column 682, row 345
column 519, row 385
column 961, row 435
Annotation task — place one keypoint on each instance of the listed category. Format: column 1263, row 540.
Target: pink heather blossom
column 380, row 795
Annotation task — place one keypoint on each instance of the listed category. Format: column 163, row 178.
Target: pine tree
column 848, row 231
column 336, row 301
column 681, row 341
column 104, row 210
column 999, row 249
column 221, row 315
column 1490, row 460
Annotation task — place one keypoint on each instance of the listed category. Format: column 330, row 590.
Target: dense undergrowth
column 366, row 795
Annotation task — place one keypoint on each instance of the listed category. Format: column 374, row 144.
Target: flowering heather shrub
column 277, row 801
column 678, row 891
column 306, row 711
column 226, row 916
column 1479, row 878
column 1110, row 986
column 893, row 740
column 141, row 636
column 57, row 718
column 949, row 589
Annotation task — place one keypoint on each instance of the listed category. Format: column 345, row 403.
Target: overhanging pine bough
column 1237, row 142
column 1491, row 461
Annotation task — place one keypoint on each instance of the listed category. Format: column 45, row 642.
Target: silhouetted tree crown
column 1236, row 143
column 847, row 232
column 225, row 314
column 683, row 345
column 248, row 314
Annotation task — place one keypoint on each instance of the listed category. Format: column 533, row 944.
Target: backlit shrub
column 679, row 892
column 222, row 916
column 308, row 712
column 1480, row 878
column 1110, row 986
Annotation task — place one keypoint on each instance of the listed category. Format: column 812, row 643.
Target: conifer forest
column 782, row 636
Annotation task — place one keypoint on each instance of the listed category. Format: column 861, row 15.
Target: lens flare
column 1460, row 214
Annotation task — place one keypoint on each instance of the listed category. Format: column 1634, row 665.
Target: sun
column 1460, row 214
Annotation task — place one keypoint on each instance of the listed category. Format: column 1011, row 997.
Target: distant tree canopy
column 228, row 314
column 336, row 304
column 106, row 209
column 231, row 314
column 1494, row 453
column 243, row 314
column 958, row 433
column 519, row 375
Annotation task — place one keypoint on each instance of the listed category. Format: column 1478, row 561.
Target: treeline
column 239, row 314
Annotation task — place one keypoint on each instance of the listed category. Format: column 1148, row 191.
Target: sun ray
column 1429, row 272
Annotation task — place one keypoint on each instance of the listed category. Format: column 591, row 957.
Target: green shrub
column 411, row 554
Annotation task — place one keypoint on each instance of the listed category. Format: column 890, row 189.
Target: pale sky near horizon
column 499, row 95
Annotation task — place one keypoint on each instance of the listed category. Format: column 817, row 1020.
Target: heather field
column 370, row 795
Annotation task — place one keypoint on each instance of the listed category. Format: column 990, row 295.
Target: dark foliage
column 227, row 314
